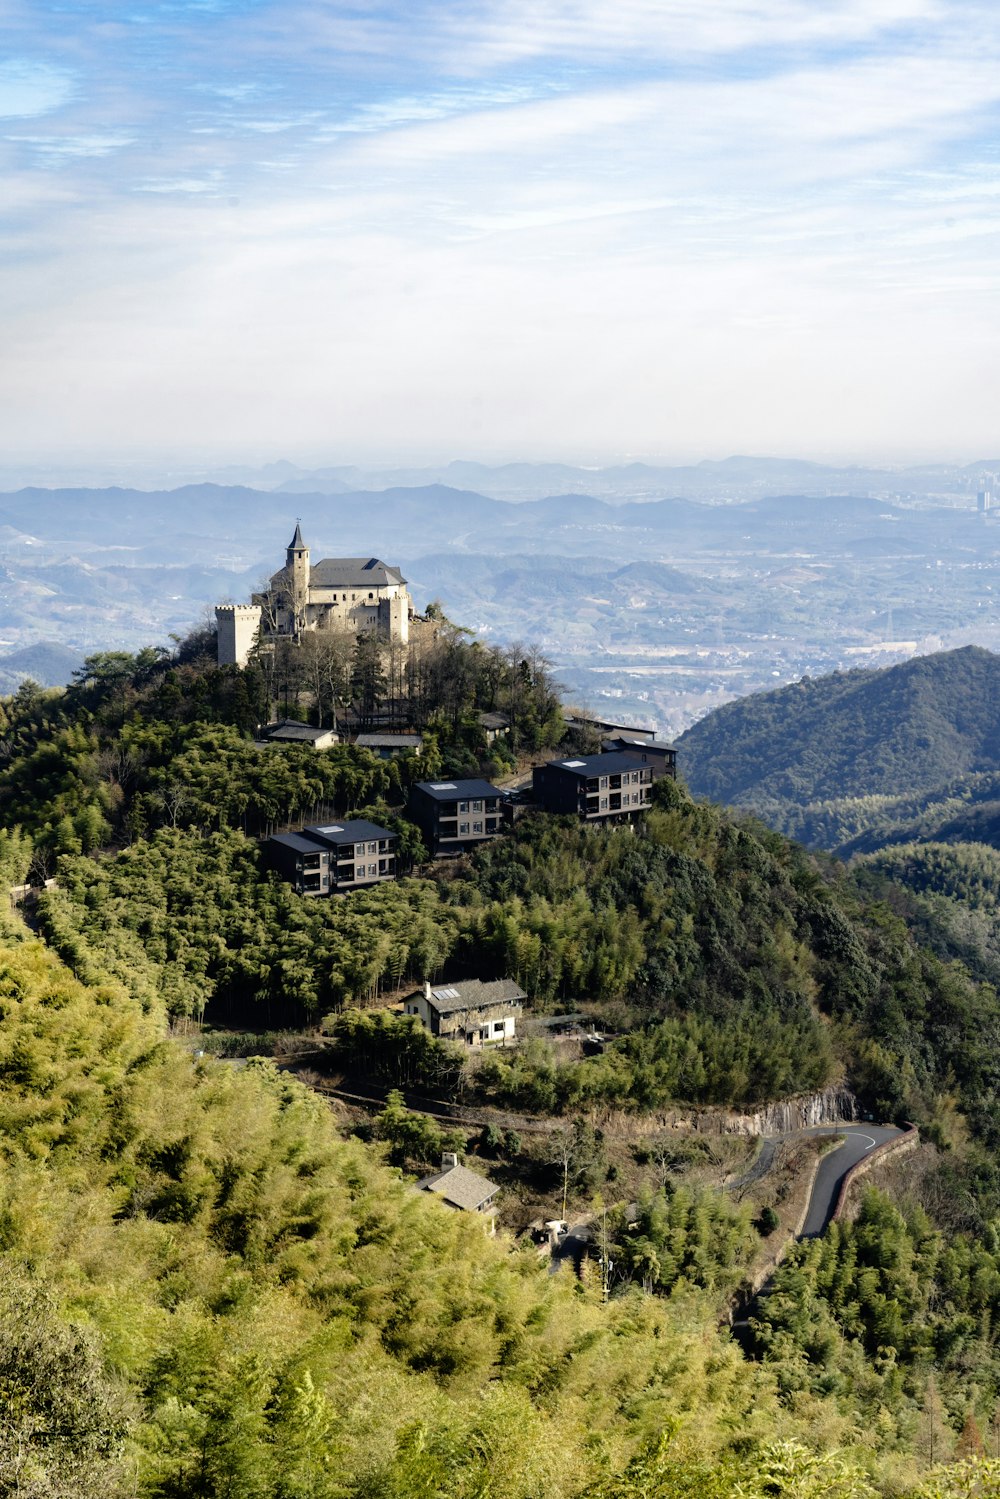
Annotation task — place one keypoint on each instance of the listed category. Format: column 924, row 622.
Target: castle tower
column 297, row 563
column 238, row 627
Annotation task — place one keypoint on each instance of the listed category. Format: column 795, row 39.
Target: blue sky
column 541, row 228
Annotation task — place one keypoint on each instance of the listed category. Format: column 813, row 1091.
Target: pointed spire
column 297, row 544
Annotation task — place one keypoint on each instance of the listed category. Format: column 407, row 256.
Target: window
column 359, row 850
column 604, row 804
column 491, row 824
column 463, row 827
column 373, row 848
column 477, row 806
column 477, row 827
column 498, row 1027
column 463, row 806
column 372, row 871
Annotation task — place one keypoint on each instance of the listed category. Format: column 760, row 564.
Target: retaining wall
column 909, row 1140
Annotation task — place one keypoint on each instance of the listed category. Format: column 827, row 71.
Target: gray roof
column 570, row 717
column 494, row 720
column 297, row 544
column 296, row 841
column 451, row 791
column 390, row 741
column 353, row 830
column 595, row 765
column 461, row 1187
column 290, row 729
column 354, row 572
column 473, row 994
column 630, row 742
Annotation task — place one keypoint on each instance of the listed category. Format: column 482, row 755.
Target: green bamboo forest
column 217, row 1280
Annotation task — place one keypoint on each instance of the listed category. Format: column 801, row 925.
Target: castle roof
column 354, row 572
column 297, row 544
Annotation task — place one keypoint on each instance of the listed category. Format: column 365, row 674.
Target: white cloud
column 29, row 88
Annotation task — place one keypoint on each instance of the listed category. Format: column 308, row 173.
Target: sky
column 572, row 229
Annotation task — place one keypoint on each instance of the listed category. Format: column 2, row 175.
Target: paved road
column 859, row 1141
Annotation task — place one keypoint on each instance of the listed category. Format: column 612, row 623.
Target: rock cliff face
column 832, row 1106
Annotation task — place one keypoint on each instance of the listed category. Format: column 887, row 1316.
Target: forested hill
column 905, row 730
column 208, row 1289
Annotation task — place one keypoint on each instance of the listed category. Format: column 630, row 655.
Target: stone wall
column 909, row 1140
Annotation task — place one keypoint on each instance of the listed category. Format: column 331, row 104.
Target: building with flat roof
column 454, row 816
column 596, row 788
column 656, row 753
column 335, row 857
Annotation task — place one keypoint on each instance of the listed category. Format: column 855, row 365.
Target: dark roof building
column 461, row 1188
column 455, row 815
column 388, row 746
column 335, row 857
column 290, row 731
column 595, row 788
column 659, row 756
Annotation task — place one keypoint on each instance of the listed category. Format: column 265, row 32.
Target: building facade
column 357, row 594
column 334, row 858
column 597, row 788
column 472, row 1012
column 455, row 816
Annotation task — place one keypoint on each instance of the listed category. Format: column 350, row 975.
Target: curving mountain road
column 859, row 1140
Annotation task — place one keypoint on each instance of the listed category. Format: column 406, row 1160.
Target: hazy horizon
column 151, row 473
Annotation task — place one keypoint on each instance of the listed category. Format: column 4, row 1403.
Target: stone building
column 357, row 594
column 472, row 1012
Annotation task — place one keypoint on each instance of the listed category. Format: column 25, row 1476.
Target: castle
column 359, row 594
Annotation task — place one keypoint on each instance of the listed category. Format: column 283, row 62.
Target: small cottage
column 472, row 1012
column 462, row 1189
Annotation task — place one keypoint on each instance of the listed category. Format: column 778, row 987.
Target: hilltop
column 233, row 1280
column 902, row 732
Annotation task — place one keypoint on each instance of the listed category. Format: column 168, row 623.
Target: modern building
column 354, row 594
column 334, row 858
column 657, row 754
column 472, row 1012
column 455, row 815
column 595, row 788
column 602, row 726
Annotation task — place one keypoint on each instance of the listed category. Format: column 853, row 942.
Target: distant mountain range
column 665, row 604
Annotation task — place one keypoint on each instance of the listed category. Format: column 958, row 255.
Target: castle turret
column 297, row 563
column 238, row 627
